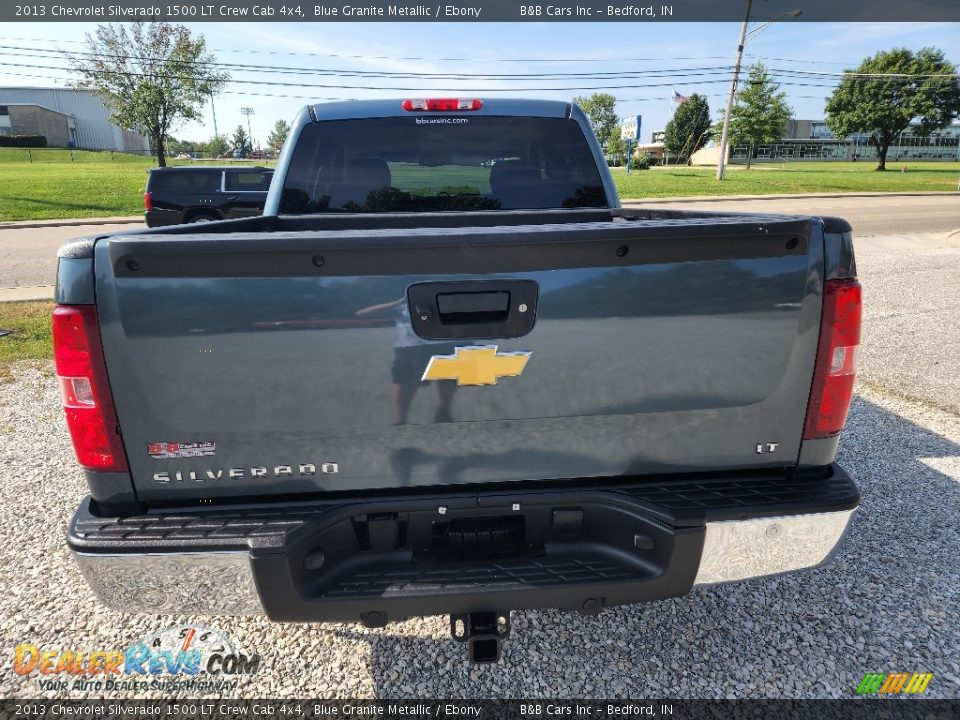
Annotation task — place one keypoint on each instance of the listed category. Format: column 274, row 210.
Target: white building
column 85, row 119
column 812, row 140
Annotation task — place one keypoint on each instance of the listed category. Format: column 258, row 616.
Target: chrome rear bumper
column 743, row 549
column 218, row 583
column 222, row 582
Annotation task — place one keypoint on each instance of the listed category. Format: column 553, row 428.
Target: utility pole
column 248, row 111
column 724, row 136
column 213, row 110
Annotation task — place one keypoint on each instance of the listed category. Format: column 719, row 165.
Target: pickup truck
column 424, row 383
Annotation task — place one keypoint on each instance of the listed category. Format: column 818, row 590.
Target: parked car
column 417, row 387
column 177, row 195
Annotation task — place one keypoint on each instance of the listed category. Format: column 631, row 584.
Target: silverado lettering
column 278, row 471
column 516, row 375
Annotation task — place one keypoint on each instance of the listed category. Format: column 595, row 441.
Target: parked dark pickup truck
column 422, row 384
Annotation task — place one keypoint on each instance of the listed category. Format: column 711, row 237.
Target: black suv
column 176, row 195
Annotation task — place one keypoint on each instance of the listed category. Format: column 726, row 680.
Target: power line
column 244, row 93
column 252, row 51
column 329, row 72
column 667, row 72
column 294, row 53
column 316, row 98
column 791, row 75
column 784, row 76
column 274, row 83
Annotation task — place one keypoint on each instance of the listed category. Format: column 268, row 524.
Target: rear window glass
column 184, row 181
column 248, row 181
column 430, row 164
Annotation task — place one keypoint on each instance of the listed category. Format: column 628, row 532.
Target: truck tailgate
column 285, row 363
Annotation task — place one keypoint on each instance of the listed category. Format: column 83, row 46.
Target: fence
column 909, row 147
column 62, row 155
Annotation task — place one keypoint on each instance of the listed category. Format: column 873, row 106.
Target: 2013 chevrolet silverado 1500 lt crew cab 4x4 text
column 446, row 373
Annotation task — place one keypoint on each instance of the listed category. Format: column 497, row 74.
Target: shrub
column 23, row 141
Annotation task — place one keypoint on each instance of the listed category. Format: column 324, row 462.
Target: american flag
column 678, row 98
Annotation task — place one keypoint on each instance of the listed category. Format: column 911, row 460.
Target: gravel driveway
column 890, row 601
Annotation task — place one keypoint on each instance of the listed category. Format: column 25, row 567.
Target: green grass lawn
column 70, row 190
column 31, row 338
column 445, row 178
column 75, row 184
column 787, row 178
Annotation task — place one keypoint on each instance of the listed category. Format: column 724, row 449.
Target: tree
column 175, row 147
column 688, row 129
column 278, row 136
column 616, row 147
column 217, row 146
column 923, row 86
column 760, row 112
column 240, row 140
column 152, row 76
column 601, row 111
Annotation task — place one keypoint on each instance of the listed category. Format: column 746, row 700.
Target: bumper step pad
column 580, row 545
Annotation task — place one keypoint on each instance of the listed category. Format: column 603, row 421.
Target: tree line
column 880, row 100
column 155, row 76
column 222, row 145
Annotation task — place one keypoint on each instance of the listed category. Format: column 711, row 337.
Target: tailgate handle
column 473, row 306
column 473, row 309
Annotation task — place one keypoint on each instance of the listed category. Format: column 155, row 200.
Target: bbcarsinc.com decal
column 181, row 657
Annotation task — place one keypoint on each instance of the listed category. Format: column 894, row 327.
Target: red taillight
column 441, row 104
column 147, row 201
column 836, row 366
column 87, row 402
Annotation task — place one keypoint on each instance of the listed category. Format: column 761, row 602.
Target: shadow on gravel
column 889, row 602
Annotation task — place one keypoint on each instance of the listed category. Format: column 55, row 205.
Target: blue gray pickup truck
column 446, row 373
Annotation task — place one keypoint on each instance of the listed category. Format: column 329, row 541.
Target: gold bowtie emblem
column 476, row 365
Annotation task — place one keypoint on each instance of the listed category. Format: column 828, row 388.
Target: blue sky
column 685, row 56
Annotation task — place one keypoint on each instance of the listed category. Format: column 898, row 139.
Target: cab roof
column 363, row 109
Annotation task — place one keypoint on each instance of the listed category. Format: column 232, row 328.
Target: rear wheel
column 202, row 217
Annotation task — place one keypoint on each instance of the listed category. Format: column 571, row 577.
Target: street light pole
column 248, row 111
column 724, row 136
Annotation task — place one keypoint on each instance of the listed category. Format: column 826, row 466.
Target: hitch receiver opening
column 483, row 632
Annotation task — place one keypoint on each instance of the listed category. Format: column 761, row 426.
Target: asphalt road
column 28, row 256
column 869, row 216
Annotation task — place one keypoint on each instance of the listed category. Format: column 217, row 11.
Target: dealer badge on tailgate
column 171, row 450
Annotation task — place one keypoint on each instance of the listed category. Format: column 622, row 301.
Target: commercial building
column 809, row 140
column 66, row 117
column 654, row 150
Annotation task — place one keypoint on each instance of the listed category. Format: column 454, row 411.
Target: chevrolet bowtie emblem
column 476, row 365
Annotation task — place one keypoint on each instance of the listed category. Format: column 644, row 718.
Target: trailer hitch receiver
column 483, row 632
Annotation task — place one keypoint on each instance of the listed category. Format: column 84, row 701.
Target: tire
column 202, row 217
